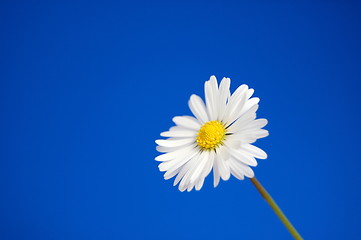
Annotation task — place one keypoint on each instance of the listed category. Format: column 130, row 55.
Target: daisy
column 218, row 137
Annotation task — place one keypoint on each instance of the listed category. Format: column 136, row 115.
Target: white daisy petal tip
column 164, row 134
column 225, row 81
column 157, row 158
column 263, row 157
column 226, row 178
column 264, row 122
column 265, row 134
column 214, row 138
column 161, row 168
column 215, row 184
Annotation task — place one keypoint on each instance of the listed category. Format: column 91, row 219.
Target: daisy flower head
column 218, row 137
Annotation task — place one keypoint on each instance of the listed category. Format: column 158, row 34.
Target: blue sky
column 86, row 88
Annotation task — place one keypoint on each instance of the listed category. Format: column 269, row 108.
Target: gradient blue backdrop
column 86, row 88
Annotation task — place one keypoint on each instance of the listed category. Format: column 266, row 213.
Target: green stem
column 276, row 209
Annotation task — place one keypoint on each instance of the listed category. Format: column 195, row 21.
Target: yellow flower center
column 210, row 135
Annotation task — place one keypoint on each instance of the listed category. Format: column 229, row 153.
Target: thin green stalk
column 276, row 209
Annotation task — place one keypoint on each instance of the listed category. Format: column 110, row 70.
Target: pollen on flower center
column 210, row 135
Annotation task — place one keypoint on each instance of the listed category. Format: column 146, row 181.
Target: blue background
column 86, row 88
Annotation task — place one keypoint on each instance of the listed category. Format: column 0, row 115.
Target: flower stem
column 276, row 209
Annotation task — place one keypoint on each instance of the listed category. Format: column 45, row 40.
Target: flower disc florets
column 210, row 135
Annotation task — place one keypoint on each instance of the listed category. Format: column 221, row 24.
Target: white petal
column 236, row 170
column 197, row 172
column 245, row 119
column 256, row 124
column 236, row 104
column 248, row 172
column 181, row 173
column 239, row 91
column 240, row 139
column 182, row 187
column 238, row 154
column 190, row 187
column 198, row 108
column 224, row 94
column 227, row 174
column 178, row 161
column 237, row 96
column 209, row 165
column 232, row 142
column 254, row 151
column 250, row 103
column 211, row 96
column 223, row 153
column 199, row 184
column 250, row 93
column 223, row 168
column 179, row 133
column 259, row 133
column 184, row 183
column 187, row 166
column 187, row 122
column 169, row 174
column 174, row 142
column 174, row 154
column 236, row 110
column 216, row 175
column 188, row 177
column 167, row 149
column 240, row 169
